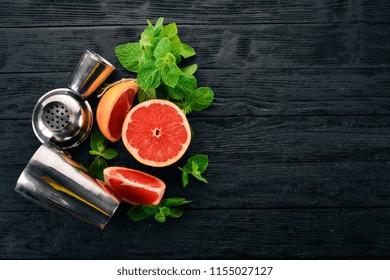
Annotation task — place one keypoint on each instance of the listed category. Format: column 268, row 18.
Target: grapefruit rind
column 135, row 152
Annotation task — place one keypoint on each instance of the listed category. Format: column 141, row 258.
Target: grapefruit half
column 133, row 186
column 113, row 108
column 156, row 132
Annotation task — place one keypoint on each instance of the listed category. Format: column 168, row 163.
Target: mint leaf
column 160, row 217
column 97, row 167
column 148, row 77
column 151, row 209
column 195, row 166
column 159, row 24
column 95, row 153
column 174, row 201
column 200, row 99
column 147, row 37
column 162, row 48
column 129, row 55
column 170, row 30
column 185, row 84
column 175, row 213
column 190, row 70
column 137, row 213
column 165, row 210
column 146, row 94
column 109, row 153
column 199, row 177
column 97, row 140
column 201, row 161
column 170, row 74
column 186, row 51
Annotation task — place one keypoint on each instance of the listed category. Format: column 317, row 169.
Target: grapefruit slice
column 156, row 133
column 113, row 108
column 133, row 186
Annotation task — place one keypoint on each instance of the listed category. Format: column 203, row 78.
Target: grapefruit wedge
column 133, row 186
column 156, row 132
column 113, row 108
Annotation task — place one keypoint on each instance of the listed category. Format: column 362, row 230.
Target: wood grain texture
column 203, row 234
column 298, row 136
column 76, row 13
column 240, row 140
column 222, row 47
column 259, row 92
column 262, row 185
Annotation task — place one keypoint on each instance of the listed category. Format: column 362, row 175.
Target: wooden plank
column 244, row 234
column 259, row 92
column 222, row 47
column 71, row 13
column 266, row 185
column 243, row 140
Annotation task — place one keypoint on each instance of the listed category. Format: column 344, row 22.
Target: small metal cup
column 55, row 181
column 90, row 73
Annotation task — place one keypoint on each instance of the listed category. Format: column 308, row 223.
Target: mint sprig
column 160, row 212
column 155, row 58
column 98, row 144
column 195, row 166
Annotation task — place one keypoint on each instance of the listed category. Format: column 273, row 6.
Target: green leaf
column 176, row 44
column 184, row 178
column 101, row 147
column 162, row 48
column 147, row 37
column 166, row 211
column 202, row 161
column 177, row 56
column 149, row 23
column 174, row 201
column 97, row 140
column 186, row 51
column 175, row 213
column 109, row 153
column 194, row 166
column 137, row 213
column 160, row 217
column 146, row 94
column 97, row 167
column 170, row 30
column 151, row 209
column 95, row 153
column 129, row 56
column 185, row 84
column 148, row 77
column 170, row 74
column 159, row 24
column 200, row 99
column 199, row 177
column 190, row 70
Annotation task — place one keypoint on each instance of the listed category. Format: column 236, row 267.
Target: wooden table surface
column 298, row 136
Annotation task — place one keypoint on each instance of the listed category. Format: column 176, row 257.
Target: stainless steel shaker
column 62, row 118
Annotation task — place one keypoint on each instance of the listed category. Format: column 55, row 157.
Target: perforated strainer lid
column 63, row 117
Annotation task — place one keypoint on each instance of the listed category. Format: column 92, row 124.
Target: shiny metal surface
column 54, row 180
column 90, row 73
column 63, row 117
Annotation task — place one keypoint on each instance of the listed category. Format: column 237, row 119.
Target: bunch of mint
column 155, row 58
column 160, row 212
column 101, row 152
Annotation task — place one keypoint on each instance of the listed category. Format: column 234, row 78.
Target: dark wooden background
column 298, row 136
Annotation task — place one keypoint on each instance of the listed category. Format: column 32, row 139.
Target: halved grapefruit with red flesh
column 156, row 132
column 113, row 108
column 133, row 186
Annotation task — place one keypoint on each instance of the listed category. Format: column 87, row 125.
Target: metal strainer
column 63, row 116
